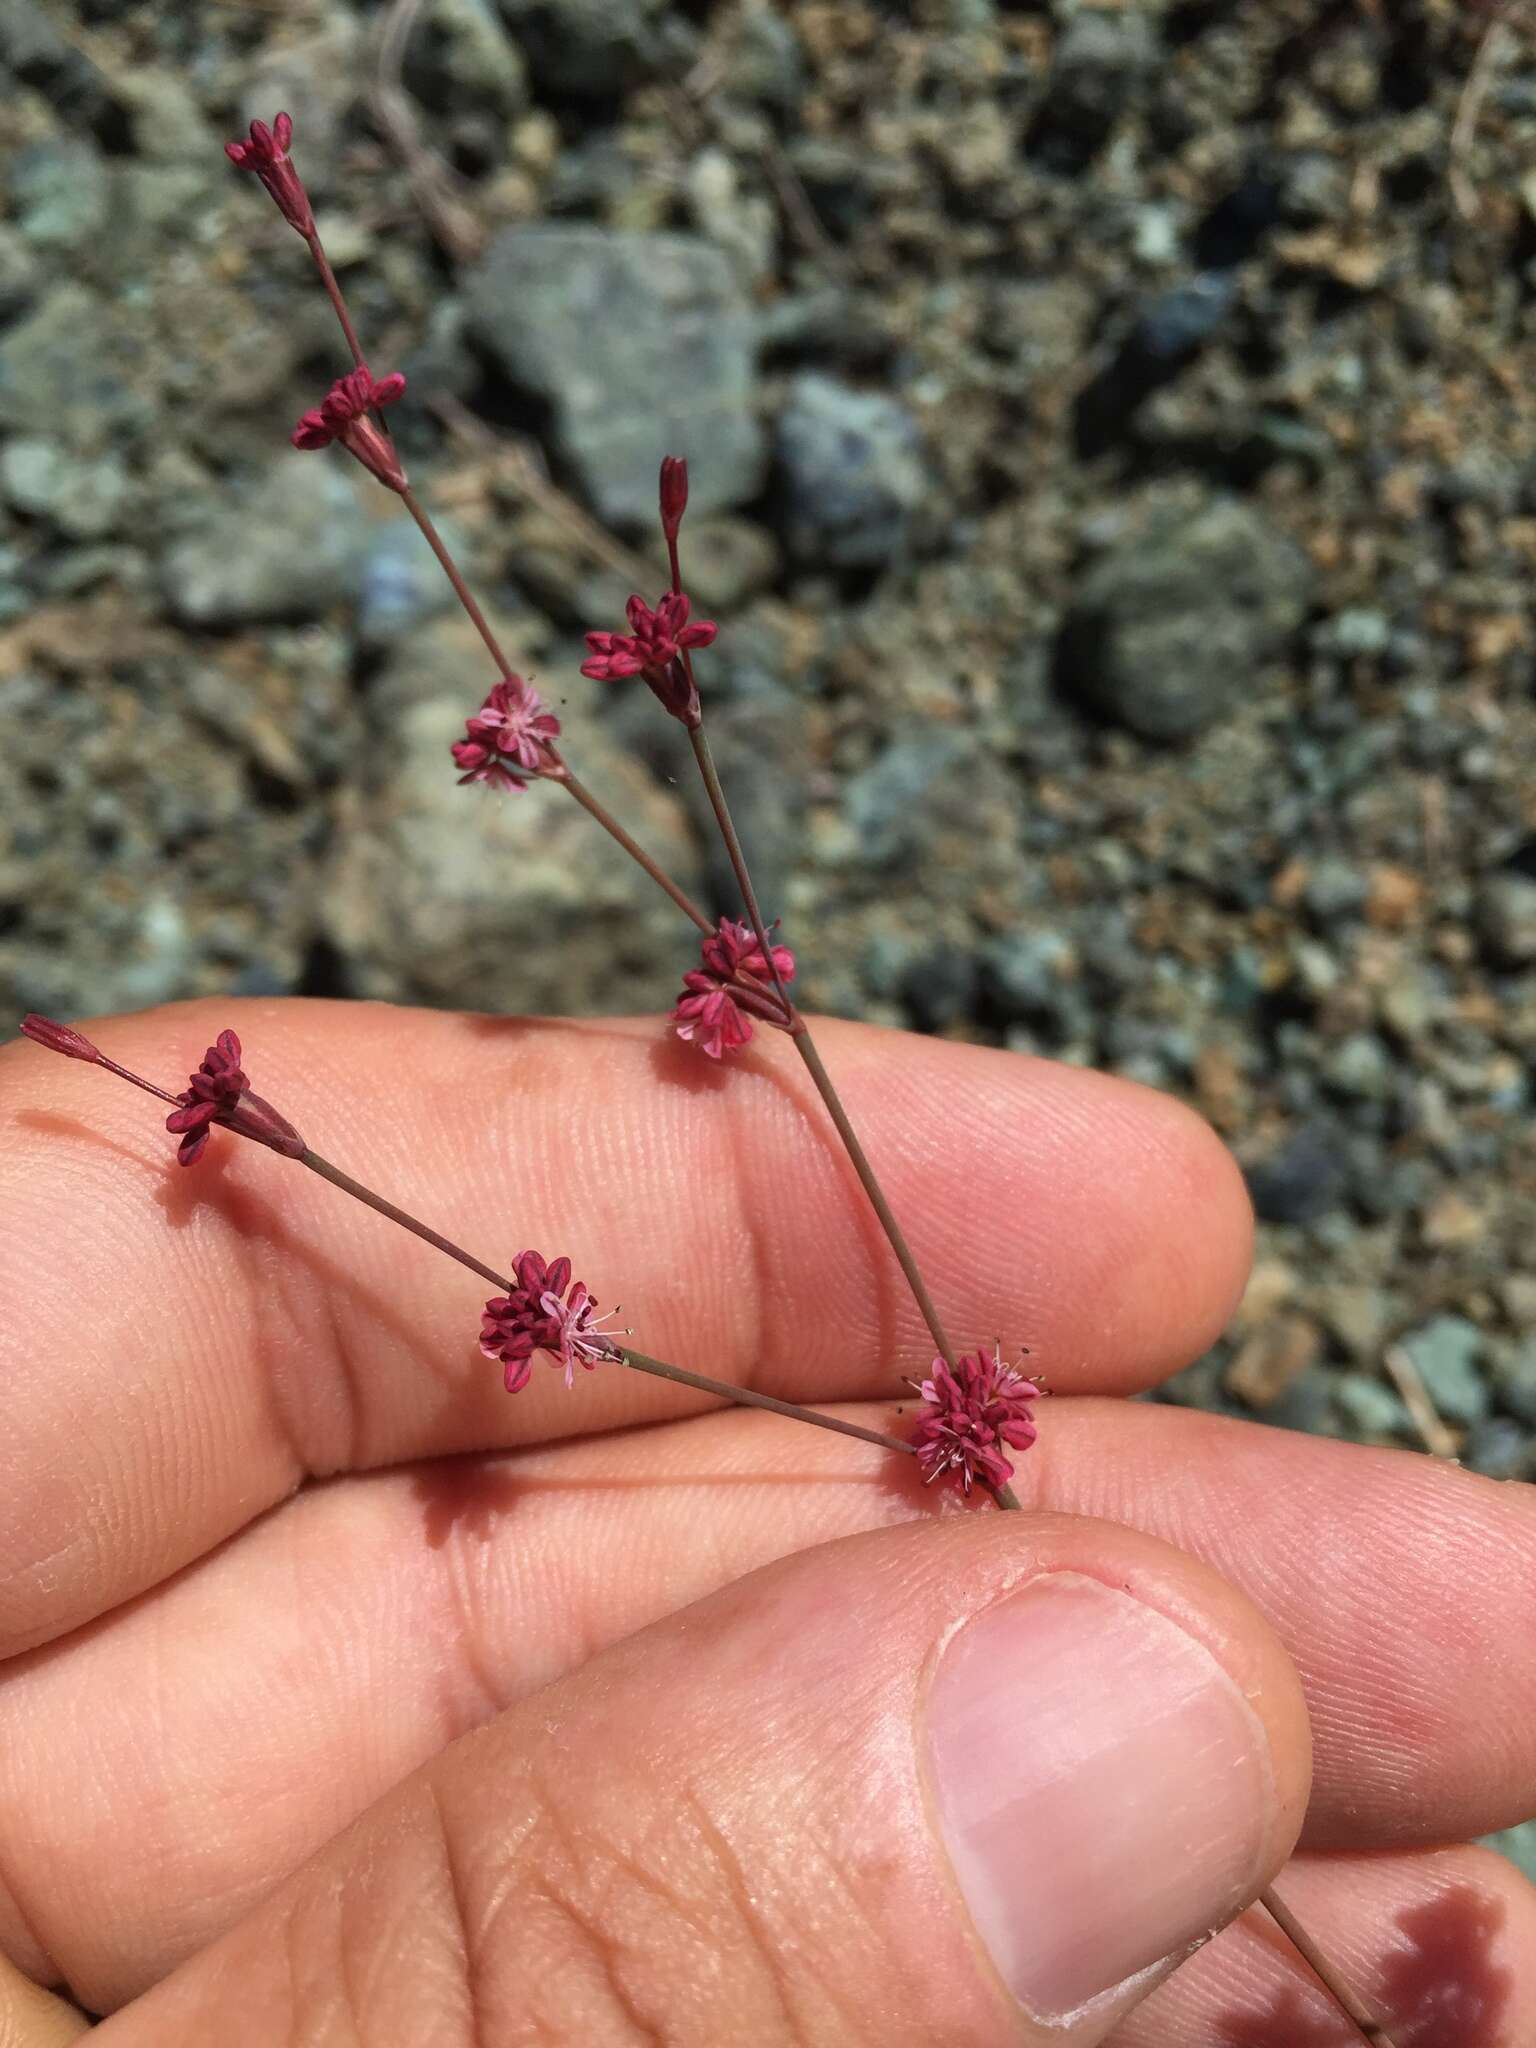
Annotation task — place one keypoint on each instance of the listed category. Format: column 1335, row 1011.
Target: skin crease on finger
column 471, row 1582
column 293, row 1333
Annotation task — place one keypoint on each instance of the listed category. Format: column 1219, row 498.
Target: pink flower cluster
column 656, row 648
column 510, row 739
column 267, row 155
column 213, row 1091
column 344, row 415
column 968, row 1415
column 541, row 1315
column 734, row 984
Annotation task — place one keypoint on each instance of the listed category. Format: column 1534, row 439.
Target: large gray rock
column 1167, row 631
column 853, row 473
column 640, row 345
column 291, row 546
column 84, row 497
column 469, row 896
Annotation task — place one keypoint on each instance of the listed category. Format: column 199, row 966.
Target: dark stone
column 1301, row 1181
column 1166, row 631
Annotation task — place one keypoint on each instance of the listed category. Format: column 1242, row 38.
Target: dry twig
column 433, row 183
column 1438, row 1438
column 1505, row 14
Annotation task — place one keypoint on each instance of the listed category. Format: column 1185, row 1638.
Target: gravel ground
column 1112, row 432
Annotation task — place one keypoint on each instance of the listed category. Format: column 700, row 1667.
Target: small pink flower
column 510, row 738
column 216, row 1087
column 654, row 648
column 732, row 949
column 579, row 1339
column 968, row 1415
column 344, row 415
column 267, row 155
column 709, row 1016
column 537, row 1316
column 720, row 999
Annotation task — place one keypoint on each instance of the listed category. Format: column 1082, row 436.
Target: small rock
column 1165, row 632
column 316, row 78
column 730, row 560
column 84, row 497
column 1180, row 321
column 1271, row 1285
column 1506, row 919
column 1499, row 1449
column 1334, row 888
column 764, row 60
column 1357, row 1315
column 663, row 366
column 59, row 192
column 885, row 802
column 460, row 56
column 32, row 48
column 939, row 988
column 1372, row 1409
column 1270, row 1360
column 1101, row 61
column 1518, row 1293
column 291, row 546
column 1026, row 974
column 592, row 48
column 68, row 363
column 166, row 118
column 1354, row 632
column 1446, row 1351
column 1303, row 1180
column 18, row 273
column 1517, row 1383
column 1359, row 1066
column 853, row 473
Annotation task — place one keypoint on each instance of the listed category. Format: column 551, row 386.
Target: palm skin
column 272, row 1536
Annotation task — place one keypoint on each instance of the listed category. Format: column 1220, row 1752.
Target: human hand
column 599, row 1732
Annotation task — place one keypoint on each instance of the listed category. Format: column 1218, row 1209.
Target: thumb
column 986, row 1779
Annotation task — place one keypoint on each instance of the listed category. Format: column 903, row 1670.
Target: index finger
column 186, row 1346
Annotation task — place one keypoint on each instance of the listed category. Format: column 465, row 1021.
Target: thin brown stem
column 461, row 589
column 632, row 847
column 742, row 1397
column 747, row 1397
column 334, row 293
column 138, row 1080
column 722, row 810
column 1370, row 2030
column 359, row 1193
column 805, row 1045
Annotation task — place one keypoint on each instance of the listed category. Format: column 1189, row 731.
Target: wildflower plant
column 976, row 1412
